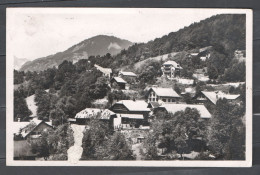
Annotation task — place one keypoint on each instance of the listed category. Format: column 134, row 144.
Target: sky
column 38, row 32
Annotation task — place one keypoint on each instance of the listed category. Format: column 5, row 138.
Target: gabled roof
column 25, row 134
column 131, row 116
column 91, row 112
column 173, row 108
column 119, row 80
column 154, row 104
column 104, row 70
column 20, row 126
column 137, row 105
column 132, row 74
column 88, row 113
column 173, row 63
column 214, row 96
column 164, row 92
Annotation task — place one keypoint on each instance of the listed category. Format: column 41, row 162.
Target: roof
column 37, row 122
column 131, row 116
column 214, row 96
column 105, row 115
column 185, row 81
column 154, row 104
column 90, row 112
column 127, row 74
column 137, row 105
column 104, row 70
column 22, row 149
column 173, row 63
column 20, row 126
column 164, row 92
column 173, row 108
column 194, row 54
column 119, row 80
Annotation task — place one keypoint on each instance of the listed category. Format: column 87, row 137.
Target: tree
column 94, row 137
column 116, row 148
column 21, row 109
column 41, row 146
column 42, row 100
column 226, row 123
column 175, row 132
column 59, row 141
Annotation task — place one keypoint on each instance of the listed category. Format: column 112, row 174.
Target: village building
column 84, row 116
column 173, row 108
column 201, row 74
column 130, row 114
column 164, row 94
column 126, row 74
column 171, row 69
column 129, row 77
column 107, row 72
column 214, row 96
column 118, row 83
column 31, row 129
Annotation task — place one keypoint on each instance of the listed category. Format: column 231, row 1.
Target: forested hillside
column 225, row 33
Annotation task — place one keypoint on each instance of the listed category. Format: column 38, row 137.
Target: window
column 169, row 100
column 173, row 100
column 153, row 99
column 164, row 100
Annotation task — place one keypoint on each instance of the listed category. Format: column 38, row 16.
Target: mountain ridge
column 94, row 46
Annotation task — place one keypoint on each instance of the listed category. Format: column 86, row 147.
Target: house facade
column 164, row 94
column 130, row 114
column 171, row 69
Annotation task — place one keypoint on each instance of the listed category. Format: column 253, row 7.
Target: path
column 136, row 151
column 75, row 151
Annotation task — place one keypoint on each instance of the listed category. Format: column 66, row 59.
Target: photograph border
column 163, row 163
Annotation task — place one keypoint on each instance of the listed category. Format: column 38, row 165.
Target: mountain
column 18, row 62
column 98, row 45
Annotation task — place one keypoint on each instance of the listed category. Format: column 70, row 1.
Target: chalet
column 106, row 71
column 214, row 96
column 173, row 108
column 130, row 114
column 118, row 82
column 32, row 129
column 165, row 94
column 129, row 77
column 84, row 116
column 171, row 69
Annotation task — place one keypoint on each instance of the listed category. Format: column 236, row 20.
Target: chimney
column 19, row 119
